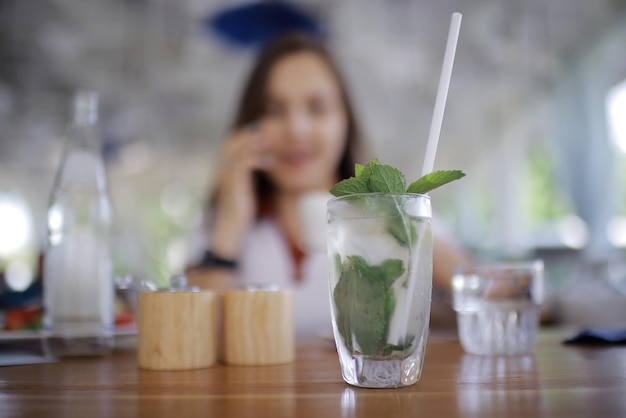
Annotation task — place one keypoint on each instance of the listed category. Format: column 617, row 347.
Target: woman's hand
column 242, row 153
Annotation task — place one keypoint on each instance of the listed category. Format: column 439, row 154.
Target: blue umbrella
column 255, row 24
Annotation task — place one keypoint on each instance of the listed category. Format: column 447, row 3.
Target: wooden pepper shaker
column 177, row 328
column 258, row 326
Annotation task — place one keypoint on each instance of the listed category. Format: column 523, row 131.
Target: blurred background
column 536, row 116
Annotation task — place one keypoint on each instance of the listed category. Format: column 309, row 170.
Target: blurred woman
column 295, row 133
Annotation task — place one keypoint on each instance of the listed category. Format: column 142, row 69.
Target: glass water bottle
column 78, row 273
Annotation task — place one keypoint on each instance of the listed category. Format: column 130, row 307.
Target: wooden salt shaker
column 177, row 328
column 258, row 326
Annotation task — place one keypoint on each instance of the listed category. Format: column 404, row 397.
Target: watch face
column 212, row 260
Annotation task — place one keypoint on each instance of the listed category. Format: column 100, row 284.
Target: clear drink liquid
column 78, row 276
column 498, row 328
column 362, row 233
column 498, row 307
column 79, row 296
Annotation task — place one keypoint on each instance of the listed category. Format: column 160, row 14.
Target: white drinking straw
column 442, row 94
column 433, row 139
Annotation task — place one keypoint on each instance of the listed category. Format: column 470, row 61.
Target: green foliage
column 375, row 177
column 544, row 200
column 386, row 179
column 365, row 303
column 433, row 180
column 403, row 231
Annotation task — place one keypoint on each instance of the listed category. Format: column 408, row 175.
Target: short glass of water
column 498, row 307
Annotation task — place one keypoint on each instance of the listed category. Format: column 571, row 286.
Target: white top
column 266, row 259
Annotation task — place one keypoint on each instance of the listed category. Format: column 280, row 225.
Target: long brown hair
column 253, row 102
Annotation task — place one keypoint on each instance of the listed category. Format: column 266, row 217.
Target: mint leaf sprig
column 365, row 303
column 364, row 297
column 375, row 177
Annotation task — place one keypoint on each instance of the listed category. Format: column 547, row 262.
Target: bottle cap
column 178, row 283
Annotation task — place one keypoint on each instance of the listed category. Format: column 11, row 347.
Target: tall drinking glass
column 380, row 252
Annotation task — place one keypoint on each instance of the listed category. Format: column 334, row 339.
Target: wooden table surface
column 556, row 380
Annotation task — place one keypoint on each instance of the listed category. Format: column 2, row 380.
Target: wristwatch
column 209, row 259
